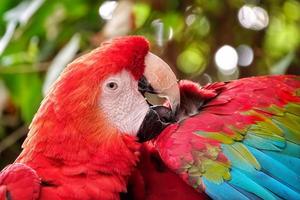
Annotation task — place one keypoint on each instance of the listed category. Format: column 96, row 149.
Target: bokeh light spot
column 245, row 55
column 190, row 19
column 162, row 33
column 254, row 18
column 226, row 59
column 107, row 8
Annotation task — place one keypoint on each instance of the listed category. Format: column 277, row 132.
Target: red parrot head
column 99, row 96
column 110, row 80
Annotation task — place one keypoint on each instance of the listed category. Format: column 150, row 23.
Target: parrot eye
column 112, row 85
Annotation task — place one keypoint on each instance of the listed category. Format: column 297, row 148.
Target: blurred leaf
column 213, row 6
column 53, row 22
column 141, row 13
column 18, row 15
column 191, row 61
column 37, row 26
column 14, row 59
column 4, row 6
column 199, row 25
column 3, row 97
column 23, row 11
column 291, row 9
column 282, row 37
column 25, row 90
column 5, row 39
column 64, row 56
column 175, row 21
column 33, row 48
column 30, row 56
column 282, row 66
column 79, row 8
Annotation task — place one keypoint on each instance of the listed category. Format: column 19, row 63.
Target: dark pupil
column 111, row 85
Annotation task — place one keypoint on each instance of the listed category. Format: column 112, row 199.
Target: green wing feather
column 260, row 144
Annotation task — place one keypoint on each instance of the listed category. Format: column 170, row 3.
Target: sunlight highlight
column 254, row 18
column 226, row 59
column 107, row 8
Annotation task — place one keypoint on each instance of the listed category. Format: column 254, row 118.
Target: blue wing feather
column 277, row 169
column 241, row 180
column 236, row 158
column 289, row 161
column 272, row 184
column 292, row 149
column 222, row 191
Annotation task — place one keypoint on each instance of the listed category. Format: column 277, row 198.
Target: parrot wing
column 18, row 181
column 244, row 142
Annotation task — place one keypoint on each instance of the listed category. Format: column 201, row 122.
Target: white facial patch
column 122, row 103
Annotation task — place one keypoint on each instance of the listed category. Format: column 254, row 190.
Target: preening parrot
column 232, row 140
column 82, row 142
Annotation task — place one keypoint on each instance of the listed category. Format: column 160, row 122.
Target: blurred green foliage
column 186, row 33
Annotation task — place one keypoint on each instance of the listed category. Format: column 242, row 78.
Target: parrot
column 230, row 140
column 84, row 141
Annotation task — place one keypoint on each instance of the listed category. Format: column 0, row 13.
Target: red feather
column 19, row 181
column 223, row 111
column 71, row 146
column 154, row 181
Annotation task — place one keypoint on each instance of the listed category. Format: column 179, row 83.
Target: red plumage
column 153, row 180
column 71, row 148
column 18, row 181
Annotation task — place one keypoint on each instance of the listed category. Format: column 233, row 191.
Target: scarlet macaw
column 82, row 141
column 82, row 145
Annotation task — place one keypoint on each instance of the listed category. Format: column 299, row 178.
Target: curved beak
column 158, row 79
column 162, row 80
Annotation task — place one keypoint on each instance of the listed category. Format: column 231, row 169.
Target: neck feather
column 62, row 151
